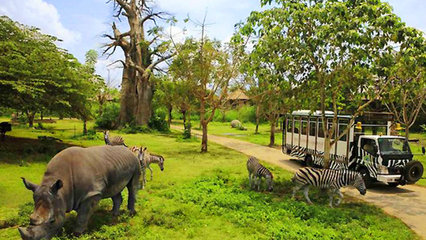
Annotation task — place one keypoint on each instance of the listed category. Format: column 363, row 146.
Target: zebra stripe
column 146, row 158
column 256, row 172
column 329, row 179
column 116, row 140
column 336, row 161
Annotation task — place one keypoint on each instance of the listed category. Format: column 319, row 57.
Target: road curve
column 407, row 203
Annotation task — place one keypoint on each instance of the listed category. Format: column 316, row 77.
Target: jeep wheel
column 308, row 161
column 413, row 171
column 368, row 181
column 393, row 184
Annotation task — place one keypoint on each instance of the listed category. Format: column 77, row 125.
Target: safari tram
column 369, row 146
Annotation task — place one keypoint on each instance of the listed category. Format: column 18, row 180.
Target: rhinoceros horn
column 34, row 233
column 24, row 233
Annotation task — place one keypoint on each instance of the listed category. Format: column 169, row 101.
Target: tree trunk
column 30, row 116
column 84, row 127
column 144, row 96
column 204, row 138
column 407, row 131
column 327, row 149
column 41, row 115
column 127, row 99
column 169, row 120
column 184, row 117
column 272, row 134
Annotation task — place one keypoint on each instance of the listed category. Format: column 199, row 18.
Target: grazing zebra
column 116, row 140
column 256, row 172
column 329, row 179
column 145, row 159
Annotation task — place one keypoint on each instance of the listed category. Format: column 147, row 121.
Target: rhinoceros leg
column 84, row 212
column 132, row 187
column 116, row 203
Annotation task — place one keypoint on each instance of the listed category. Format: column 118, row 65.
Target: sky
column 81, row 23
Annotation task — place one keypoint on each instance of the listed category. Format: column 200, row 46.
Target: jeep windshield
column 394, row 146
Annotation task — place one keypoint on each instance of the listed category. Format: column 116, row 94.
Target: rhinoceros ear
column 29, row 185
column 56, row 186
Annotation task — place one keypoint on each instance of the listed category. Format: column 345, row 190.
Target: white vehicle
column 378, row 156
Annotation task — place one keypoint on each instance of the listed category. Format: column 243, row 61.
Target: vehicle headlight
column 383, row 169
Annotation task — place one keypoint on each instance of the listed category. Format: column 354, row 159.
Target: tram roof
column 317, row 113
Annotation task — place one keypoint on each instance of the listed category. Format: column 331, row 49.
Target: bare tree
column 143, row 50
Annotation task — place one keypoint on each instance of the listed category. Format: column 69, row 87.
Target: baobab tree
column 144, row 48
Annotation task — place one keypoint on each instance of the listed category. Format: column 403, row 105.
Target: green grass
column 224, row 129
column 198, row 196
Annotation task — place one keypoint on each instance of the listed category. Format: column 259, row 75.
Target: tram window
column 312, row 128
column 296, row 126
column 289, row 125
column 320, row 130
column 304, row 127
column 342, row 128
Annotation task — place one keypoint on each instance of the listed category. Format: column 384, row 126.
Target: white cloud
column 40, row 14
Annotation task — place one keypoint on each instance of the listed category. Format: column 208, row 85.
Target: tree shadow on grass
column 23, row 150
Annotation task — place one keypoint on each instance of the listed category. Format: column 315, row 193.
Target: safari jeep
column 386, row 159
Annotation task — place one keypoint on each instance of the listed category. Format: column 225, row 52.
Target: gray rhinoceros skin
column 87, row 175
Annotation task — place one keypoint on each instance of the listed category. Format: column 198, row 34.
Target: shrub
column 247, row 114
column 158, row 120
column 132, row 128
column 187, row 131
column 109, row 117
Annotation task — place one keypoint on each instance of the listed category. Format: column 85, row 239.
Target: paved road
column 407, row 203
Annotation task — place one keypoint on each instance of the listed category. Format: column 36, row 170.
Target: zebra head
column 270, row 181
column 161, row 163
column 359, row 184
column 141, row 154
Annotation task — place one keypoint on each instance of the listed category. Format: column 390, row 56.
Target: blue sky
column 81, row 23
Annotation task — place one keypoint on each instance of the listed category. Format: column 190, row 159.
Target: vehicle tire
column 413, row 171
column 393, row 184
column 308, row 161
column 368, row 181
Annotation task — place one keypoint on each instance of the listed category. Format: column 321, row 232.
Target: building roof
column 238, row 95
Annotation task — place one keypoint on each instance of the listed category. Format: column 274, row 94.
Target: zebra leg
column 116, row 203
column 330, row 196
column 306, row 193
column 150, row 170
column 339, row 199
column 143, row 180
column 295, row 189
column 259, row 181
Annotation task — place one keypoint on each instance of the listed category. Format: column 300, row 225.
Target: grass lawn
column 224, row 129
column 198, row 196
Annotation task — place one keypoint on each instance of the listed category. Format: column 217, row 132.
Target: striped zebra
column 145, row 160
column 116, row 140
column 256, row 172
column 329, row 179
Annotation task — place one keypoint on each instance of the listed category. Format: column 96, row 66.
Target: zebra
column 329, row 179
column 256, row 172
column 116, row 140
column 145, row 159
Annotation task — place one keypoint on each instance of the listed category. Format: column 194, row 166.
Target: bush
column 109, row 117
column 158, row 120
column 247, row 114
column 187, row 131
column 132, row 128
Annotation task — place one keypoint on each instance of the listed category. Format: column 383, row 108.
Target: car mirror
column 423, row 150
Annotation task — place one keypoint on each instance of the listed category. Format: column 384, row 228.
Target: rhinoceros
column 76, row 179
